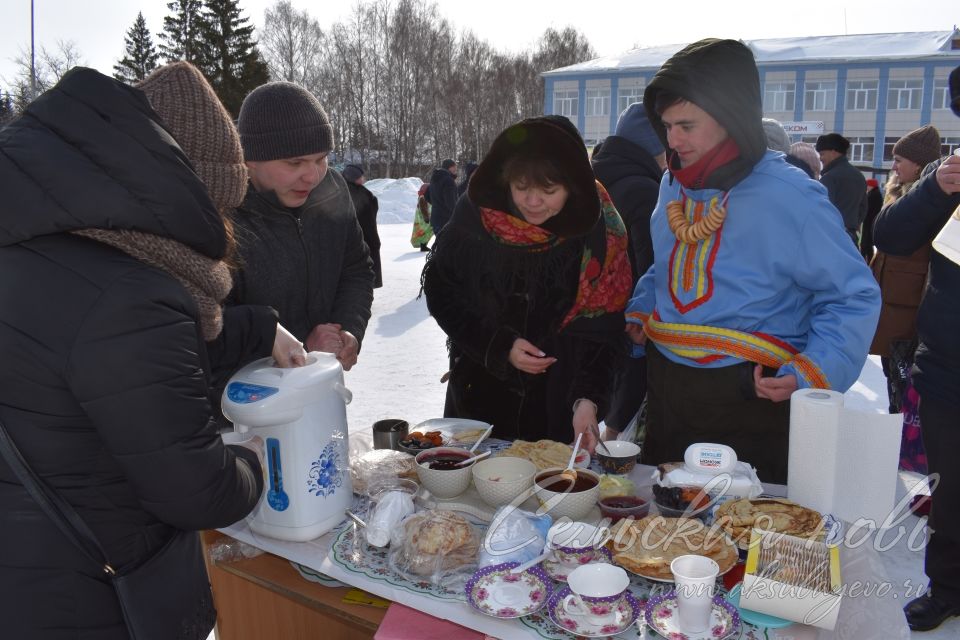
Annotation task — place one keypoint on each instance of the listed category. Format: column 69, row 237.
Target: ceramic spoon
column 520, row 568
column 481, row 439
column 473, row 459
column 570, row 473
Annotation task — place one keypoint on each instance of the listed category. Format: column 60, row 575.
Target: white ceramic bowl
column 443, row 483
column 575, row 504
column 500, row 481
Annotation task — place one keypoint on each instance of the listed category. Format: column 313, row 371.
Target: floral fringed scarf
column 606, row 280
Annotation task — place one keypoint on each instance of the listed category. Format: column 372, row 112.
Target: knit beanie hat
column 352, row 172
column 776, row 137
column 283, row 120
column 806, row 152
column 833, row 142
column 921, row 146
column 200, row 124
column 634, row 125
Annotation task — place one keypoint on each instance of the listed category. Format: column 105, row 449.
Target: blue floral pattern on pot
column 326, row 473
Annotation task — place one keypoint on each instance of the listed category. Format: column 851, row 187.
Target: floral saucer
column 559, row 572
column 627, row 613
column 496, row 592
column 661, row 615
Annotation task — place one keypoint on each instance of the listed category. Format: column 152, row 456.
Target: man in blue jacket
column 755, row 290
column 901, row 228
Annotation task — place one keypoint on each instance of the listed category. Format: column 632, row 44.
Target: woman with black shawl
column 529, row 281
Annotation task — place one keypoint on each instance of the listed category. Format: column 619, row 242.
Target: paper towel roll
column 842, row 462
column 812, row 464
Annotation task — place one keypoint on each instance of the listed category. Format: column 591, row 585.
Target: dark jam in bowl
column 444, row 461
column 555, row 481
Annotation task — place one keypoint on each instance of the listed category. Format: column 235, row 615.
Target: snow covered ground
column 404, row 353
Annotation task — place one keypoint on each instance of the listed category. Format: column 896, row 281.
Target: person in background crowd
column 365, row 205
column 902, row 279
column 596, row 149
column 846, row 186
column 776, row 137
column 442, row 194
column 422, row 231
column 300, row 245
column 903, row 227
column 630, row 166
column 874, row 204
column 106, row 362
column 738, row 311
column 778, row 141
column 468, row 170
column 528, row 281
column 809, row 159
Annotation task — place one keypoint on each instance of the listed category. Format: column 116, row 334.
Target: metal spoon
column 601, row 443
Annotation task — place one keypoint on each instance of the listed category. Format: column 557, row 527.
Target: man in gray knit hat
column 301, row 248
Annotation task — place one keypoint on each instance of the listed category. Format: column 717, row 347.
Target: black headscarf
column 552, row 137
column 720, row 77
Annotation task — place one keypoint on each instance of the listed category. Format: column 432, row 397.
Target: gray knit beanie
column 776, row 137
column 283, row 120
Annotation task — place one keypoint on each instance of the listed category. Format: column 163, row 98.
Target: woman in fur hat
column 529, row 281
column 112, row 273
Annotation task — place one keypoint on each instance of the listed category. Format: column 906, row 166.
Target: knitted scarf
column 207, row 280
column 605, row 281
column 695, row 176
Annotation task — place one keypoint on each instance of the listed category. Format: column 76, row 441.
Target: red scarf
column 694, row 176
column 604, row 287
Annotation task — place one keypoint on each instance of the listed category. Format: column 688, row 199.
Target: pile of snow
column 398, row 199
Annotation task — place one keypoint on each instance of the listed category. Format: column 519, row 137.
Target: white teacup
column 597, row 591
column 576, row 543
column 696, row 579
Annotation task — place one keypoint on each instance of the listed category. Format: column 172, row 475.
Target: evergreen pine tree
column 7, row 112
column 183, row 33
column 235, row 66
column 141, row 56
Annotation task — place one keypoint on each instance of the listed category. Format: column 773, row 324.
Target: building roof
column 811, row 49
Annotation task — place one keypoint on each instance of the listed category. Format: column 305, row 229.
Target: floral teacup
column 597, row 591
column 576, row 543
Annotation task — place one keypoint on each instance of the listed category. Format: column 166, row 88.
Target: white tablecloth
column 865, row 568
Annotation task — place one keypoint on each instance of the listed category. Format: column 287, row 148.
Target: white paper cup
column 696, row 579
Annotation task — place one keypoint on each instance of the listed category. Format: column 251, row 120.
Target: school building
column 871, row 88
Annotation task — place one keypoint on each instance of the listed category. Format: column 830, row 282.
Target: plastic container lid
column 713, row 459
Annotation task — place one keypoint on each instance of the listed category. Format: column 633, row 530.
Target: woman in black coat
column 111, row 276
column 529, row 282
